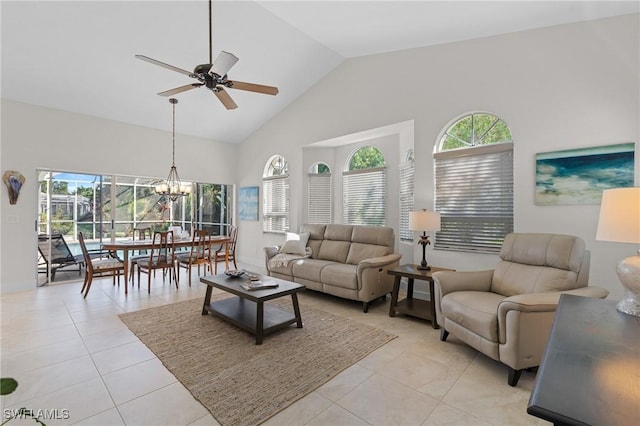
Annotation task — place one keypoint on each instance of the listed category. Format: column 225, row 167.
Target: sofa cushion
column 358, row 252
column 340, row 275
column 309, row 269
column 476, row 311
column 338, row 232
column 316, row 235
column 335, row 251
column 378, row 235
column 284, row 269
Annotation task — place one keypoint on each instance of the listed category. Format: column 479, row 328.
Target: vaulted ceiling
column 78, row 56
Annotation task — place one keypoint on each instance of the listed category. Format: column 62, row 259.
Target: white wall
column 563, row 87
column 35, row 137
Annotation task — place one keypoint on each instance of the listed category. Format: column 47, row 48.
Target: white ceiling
column 79, row 55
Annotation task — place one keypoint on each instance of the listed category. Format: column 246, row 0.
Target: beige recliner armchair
column 507, row 313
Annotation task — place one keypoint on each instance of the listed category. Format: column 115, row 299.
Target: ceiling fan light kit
column 213, row 75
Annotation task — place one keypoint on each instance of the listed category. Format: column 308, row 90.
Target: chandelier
column 173, row 187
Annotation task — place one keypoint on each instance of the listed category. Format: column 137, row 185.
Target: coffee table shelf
column 243, row 313
column 248, row 309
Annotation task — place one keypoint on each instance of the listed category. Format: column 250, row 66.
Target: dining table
column 125, row 246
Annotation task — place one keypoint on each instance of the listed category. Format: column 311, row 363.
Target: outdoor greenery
column 368, row 157
column 475, row 129
column 86, row 204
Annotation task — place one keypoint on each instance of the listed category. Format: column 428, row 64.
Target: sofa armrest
column 269, row 252
column 376, row 262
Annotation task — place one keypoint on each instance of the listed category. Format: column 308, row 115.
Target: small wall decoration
column 248, row 203
column 578, row 176
column 14, row 181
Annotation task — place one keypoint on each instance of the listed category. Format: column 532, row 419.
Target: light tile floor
column 76, row 356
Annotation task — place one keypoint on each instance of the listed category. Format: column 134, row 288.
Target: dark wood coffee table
column 248, row 310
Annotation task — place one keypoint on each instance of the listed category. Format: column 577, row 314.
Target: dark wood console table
column 590, row 371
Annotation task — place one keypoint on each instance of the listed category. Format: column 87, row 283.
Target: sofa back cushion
column 335, row 251
column 533, row 263
column 316, row 235
column 359, row 252
column 349, row 243
column 377, row 235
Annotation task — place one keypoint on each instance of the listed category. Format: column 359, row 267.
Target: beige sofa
column 342, row 260
column 507, row 313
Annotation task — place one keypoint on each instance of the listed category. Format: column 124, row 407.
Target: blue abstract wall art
column 248, row 203
column 578, row 176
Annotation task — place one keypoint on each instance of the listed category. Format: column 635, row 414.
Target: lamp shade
column 619, row 216
column 424, row 220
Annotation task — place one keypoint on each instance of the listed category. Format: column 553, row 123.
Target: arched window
column 406, row 195
column 275, row 195
column 474, row 184
column 365, row 188
column 319, row 204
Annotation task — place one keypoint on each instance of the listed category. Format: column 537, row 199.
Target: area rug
column 242, row 383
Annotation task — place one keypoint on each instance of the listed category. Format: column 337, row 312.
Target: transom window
column 275, row 195
column 365, row 188
column 474, row 184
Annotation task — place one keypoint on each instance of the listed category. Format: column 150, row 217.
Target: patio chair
column 99, row 267
column 56, row 254
column 199, row 254
column 219, row 255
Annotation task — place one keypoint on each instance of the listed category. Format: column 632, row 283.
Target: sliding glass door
column 110, row 207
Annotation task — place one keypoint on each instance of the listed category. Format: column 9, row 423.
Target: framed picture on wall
column 578, row 176
column 248, row 203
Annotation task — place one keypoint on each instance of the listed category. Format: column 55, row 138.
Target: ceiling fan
column 213, row 75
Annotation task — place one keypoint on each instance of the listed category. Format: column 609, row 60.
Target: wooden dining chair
column 99, row 267
column 138, row 234
column 161, row 256
column 219, row 255
column 200, row 253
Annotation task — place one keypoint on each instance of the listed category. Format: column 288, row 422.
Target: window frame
column 474, row 191
column 275, row 196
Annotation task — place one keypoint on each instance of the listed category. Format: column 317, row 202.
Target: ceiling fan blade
column 223, row 63
column 251, row 87
column 180, row 89
column 163, row 65
column 225, row 98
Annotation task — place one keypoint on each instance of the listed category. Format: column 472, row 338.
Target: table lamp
column 424, row 221
column 620, row 222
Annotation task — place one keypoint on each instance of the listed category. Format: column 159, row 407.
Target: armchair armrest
column 450, row 281
column 545, row 302
column 540, row 302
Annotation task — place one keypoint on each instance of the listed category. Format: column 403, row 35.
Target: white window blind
column 474, row 195
column 364, row 195
column 275, row 202
column 319, row 195
column 406, row 198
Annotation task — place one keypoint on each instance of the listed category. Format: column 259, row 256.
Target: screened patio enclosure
column 106, row 208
